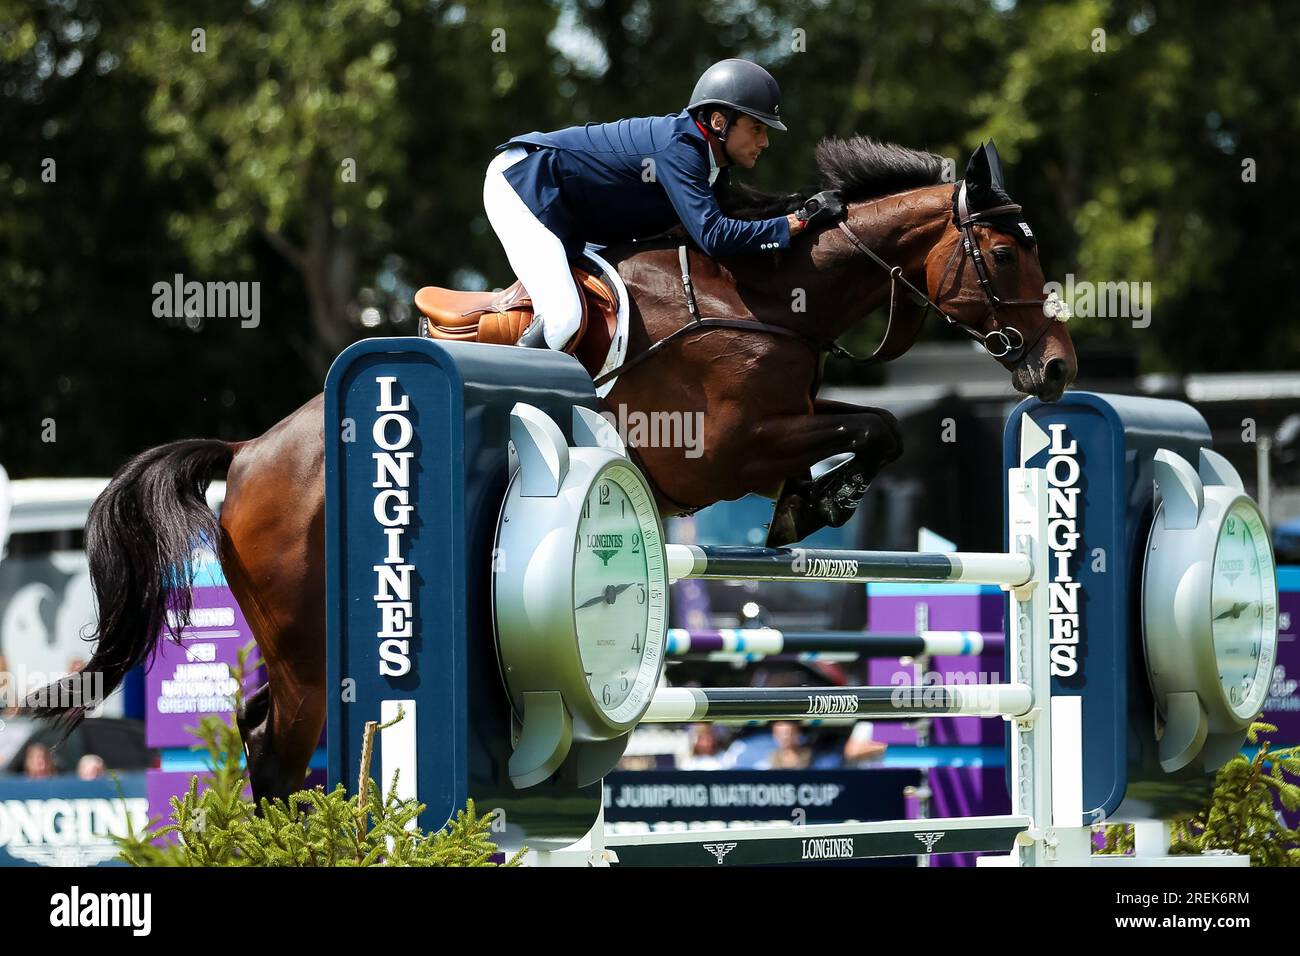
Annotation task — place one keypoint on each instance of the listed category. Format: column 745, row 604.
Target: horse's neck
column 836, row 284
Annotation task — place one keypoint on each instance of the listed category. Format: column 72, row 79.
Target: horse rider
column 548, row 194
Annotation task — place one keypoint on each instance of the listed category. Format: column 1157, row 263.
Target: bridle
column 1003, row 342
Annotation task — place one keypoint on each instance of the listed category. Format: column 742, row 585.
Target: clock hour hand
column 608, row 596
column 1234, row 611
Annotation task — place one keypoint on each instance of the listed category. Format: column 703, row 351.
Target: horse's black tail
column 140, row 534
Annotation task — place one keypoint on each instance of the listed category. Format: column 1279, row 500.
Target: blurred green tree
column 1147, row 140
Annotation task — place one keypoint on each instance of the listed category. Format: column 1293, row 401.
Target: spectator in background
column 38, row 762
column 790, row 754
column 636, row 762
column 705, row 749
column 90, row 767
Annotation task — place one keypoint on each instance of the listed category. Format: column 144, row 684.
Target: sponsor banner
column 62, row 821
column 652, row 796
column 192, row 680
column 1282, row 706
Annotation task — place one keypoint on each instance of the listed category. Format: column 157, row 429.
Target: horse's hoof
column 835, row 510
column 831, row 514
column 837, row 493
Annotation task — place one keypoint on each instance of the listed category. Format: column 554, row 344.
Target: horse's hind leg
column 273, row 771
column 272, row 551
column 290, row 733
column 805, row 504
column 281, row 722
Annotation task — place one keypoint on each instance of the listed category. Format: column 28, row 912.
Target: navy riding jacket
column 593, row 183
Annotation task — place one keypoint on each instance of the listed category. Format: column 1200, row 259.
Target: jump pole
column 716, row 563
column 675, row 705
column 728, row 644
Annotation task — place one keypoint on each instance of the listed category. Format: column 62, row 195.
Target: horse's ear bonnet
column 986, row 189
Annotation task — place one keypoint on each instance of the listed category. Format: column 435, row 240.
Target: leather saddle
column 498, row 318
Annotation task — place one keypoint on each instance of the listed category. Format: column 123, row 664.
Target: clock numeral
column 636, row 643
column 606, row 696
column 604, row 493
column 623, row 684
column 636, row 542
column 640, row 594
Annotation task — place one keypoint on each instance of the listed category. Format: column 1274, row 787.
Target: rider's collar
column 714, row 168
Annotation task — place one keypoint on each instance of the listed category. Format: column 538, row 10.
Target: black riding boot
column 533, row 337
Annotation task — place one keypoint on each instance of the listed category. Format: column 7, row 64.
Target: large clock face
column 619, row 592
column 1243, row 594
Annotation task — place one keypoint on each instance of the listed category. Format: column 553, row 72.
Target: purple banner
column 188, row 682
column 1282, row 706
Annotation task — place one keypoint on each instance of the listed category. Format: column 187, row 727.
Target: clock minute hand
column 1234, row 611
column 607, row 596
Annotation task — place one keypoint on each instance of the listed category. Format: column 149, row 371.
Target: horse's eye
column 1001, row 255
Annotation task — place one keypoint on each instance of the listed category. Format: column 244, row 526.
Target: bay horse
column 960, row 249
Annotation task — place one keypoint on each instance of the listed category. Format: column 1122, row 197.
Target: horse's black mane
column 859, row 167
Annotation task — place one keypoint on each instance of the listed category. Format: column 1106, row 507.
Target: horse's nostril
column 1056, row 372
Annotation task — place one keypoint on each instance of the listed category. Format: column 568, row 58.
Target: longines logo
column 392, row 435
column 822, row 568
column 1063, row 473
column 68, row 832
column 605, row 546
column 832, row 704
column 827, row 848
column 720, row 850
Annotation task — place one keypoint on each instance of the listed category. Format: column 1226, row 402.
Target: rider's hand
column 821, row 210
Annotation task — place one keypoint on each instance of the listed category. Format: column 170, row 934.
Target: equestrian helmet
column 742, row 86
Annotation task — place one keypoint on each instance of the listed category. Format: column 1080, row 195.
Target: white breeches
column 536, row 255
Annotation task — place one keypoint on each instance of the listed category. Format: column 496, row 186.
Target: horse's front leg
column 794, row 443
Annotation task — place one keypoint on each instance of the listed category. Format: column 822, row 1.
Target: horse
column 960, row 249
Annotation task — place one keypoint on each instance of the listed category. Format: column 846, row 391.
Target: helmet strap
column 708, row 130
column 726, row 127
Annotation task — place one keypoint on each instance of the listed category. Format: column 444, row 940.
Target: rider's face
column 746, row 139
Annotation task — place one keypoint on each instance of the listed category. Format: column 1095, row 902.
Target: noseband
column 1003, row 342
